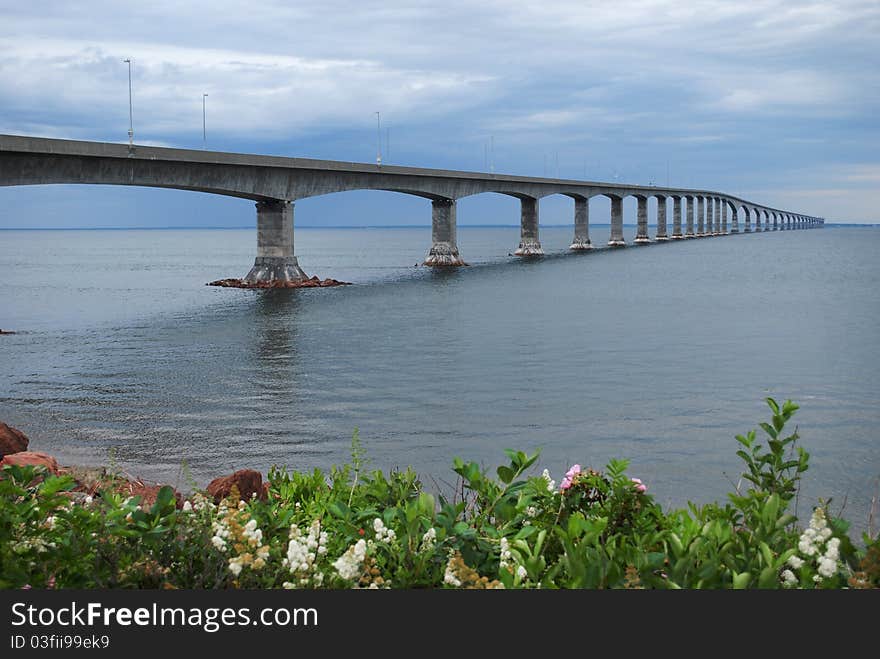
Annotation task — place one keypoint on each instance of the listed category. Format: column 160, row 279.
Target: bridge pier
column 529, row 245
column 444, row 248
column 710, row 203
column 642, row 222
column 717, row 225
column 661, row 218
column 275, row 260
column 689, row 229
column 723, row 218
column 676, row 218
column 701, row 218
column 581, row 225
column 617, row 223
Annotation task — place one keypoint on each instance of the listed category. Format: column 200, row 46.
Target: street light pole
column 378, row 141
column 204, row 122
column 130, row 120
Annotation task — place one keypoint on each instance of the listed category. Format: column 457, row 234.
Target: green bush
column 354, row 529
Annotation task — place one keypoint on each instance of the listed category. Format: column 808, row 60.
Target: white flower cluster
column 221, row 534
column 551, row 484
column 302, row 555
column 187, row 506
column 36, row 544
column 506, row 562
column 817, row 544
column 815, row 535
column 200, row 502
column 788, row 579
column 252, row 534
column 383, row 533
column 449, row 577
column 350, row 565
column 428, row 541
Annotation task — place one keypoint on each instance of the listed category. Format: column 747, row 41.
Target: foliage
column 353, row 528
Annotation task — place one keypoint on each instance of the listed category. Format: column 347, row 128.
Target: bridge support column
column 723, row 218
column 275, row 260
column 710, row 216
column 617, row 223
column 661, row 219
column 581, row 225
column 444, row 249
column 701, row 218
column 716, row 227
column 676, row 218
column 689, row 233
column 642, row 222
column 758, row 222
column 529, row 245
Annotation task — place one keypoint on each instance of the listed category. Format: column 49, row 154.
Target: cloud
column 706, row 85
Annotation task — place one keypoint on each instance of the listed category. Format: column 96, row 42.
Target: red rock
column 312, row 282
column 247, row 481
column 12, row 440
column 34, row 458
column 147, row 493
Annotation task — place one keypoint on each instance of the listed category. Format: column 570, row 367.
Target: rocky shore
column 91, row 481
column 312, row 282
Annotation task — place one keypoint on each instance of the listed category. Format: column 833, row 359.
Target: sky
column 773, row 101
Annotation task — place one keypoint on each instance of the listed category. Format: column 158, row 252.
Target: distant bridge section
column 275, row 184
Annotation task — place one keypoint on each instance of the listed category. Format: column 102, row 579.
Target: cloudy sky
column 775, row 101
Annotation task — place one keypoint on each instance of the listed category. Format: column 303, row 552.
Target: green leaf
column 741, row 580
column 768, row 578
column 506, row 474
column 426, row 505
column 339, row 509
column 525, row 532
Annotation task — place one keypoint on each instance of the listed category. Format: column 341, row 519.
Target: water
column 659, row 355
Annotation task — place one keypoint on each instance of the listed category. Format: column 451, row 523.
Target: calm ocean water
column 659, row 354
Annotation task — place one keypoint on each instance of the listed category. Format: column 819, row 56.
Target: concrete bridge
column 275, row 183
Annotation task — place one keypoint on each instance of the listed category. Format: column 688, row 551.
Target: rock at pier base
column 443, row 255
column 312, row 282
column 529, row 247
column 580, row 244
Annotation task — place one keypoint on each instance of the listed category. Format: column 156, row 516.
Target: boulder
column 12, row 440
column 35, row 458
column 247, row 481
column 147, row 493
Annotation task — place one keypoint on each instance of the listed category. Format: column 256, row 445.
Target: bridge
column 276, row 183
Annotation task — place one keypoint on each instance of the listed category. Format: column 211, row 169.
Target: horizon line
column 351, row 226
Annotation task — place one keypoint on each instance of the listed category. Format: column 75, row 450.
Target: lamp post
column 378, row 141
column 130, row 120
column 204, row 122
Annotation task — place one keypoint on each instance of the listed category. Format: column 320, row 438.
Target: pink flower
column 569, row 477
column 640, row 487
